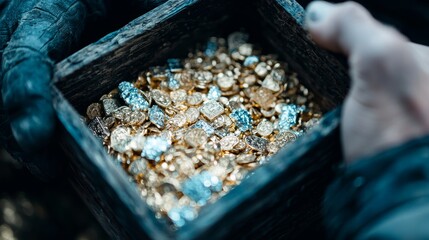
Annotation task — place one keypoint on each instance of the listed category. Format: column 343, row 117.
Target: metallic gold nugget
column 190, row 131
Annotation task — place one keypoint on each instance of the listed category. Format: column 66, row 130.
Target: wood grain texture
column 281, row 199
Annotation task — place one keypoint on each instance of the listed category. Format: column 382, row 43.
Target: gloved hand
column 33, row 35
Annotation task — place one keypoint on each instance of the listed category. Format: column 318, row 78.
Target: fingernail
column 317, row 11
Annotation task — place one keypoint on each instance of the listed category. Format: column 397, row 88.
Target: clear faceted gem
column 110, row 105
column 242, row 118
column 271, row 84
column 192, row 114
column 154, row 147
column 278, row 75
column 156, row 116
column 245, row 158
column 195, row 98
column 261, row 69
column 179, row 120
column 178, row 96
column 132, row 96
column 161, row 98
column 228, row 143
column 225, row 82
column 212, row 109
column 265, row 128
column 214, row 93
column 196, row 137
column 256, row 143
column 263, row 97
column 285, row 137
column 120, row 139
column 205, row 126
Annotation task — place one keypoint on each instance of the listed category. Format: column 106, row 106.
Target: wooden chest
column 281, row 199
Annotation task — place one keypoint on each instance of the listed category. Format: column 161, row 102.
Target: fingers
column 45, row 32
column 380, row 58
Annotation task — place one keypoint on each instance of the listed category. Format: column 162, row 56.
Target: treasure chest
column 281, row 199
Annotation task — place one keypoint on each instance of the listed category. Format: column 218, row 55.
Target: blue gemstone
column 156, row 116
column 154, row 147
column 214, row 93
column 211, row 48
column 132, row 96
column 174, row 64
column 200, row 187
column 288, row 116
column 250, row 60
column 205, row 126
column 173, row 83
column 242, row 118
column 180, row 216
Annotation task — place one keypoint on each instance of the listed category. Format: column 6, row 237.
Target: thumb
column 386, row 102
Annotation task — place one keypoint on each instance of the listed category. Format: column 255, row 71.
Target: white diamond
column 212, row 109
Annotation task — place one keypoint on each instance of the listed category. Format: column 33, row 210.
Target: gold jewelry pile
column 189, row 132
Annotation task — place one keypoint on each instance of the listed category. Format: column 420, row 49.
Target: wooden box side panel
column 102, row 183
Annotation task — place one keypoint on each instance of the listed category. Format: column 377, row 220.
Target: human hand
column 33, row 35
column 387, row 103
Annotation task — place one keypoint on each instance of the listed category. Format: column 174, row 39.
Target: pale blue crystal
column 211, row 48
column 250, row 60
column 154, row 147
column 205, row 126
column 156, row 116
column 214, row 93
column 174, row 64
column 173, row 83
column 132, row 96
column 181, row 215
column 288, row 116
column 201, row 186
column 242, row 118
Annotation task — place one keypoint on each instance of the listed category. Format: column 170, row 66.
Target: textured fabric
column 382, row 197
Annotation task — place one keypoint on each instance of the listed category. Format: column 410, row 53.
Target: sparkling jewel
column 200, row 187
column 156, row 116
column 257, row 143
column 161, row 98
column 110, row 105
column 250, row 60
column 212, row 109
column 265, row 128
column 242, row 118
column 132, row 96
column 288, row 116
column 196, row 137
column 214, row 93
column 228, row 143
column 205, row 126
column 154, row 147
